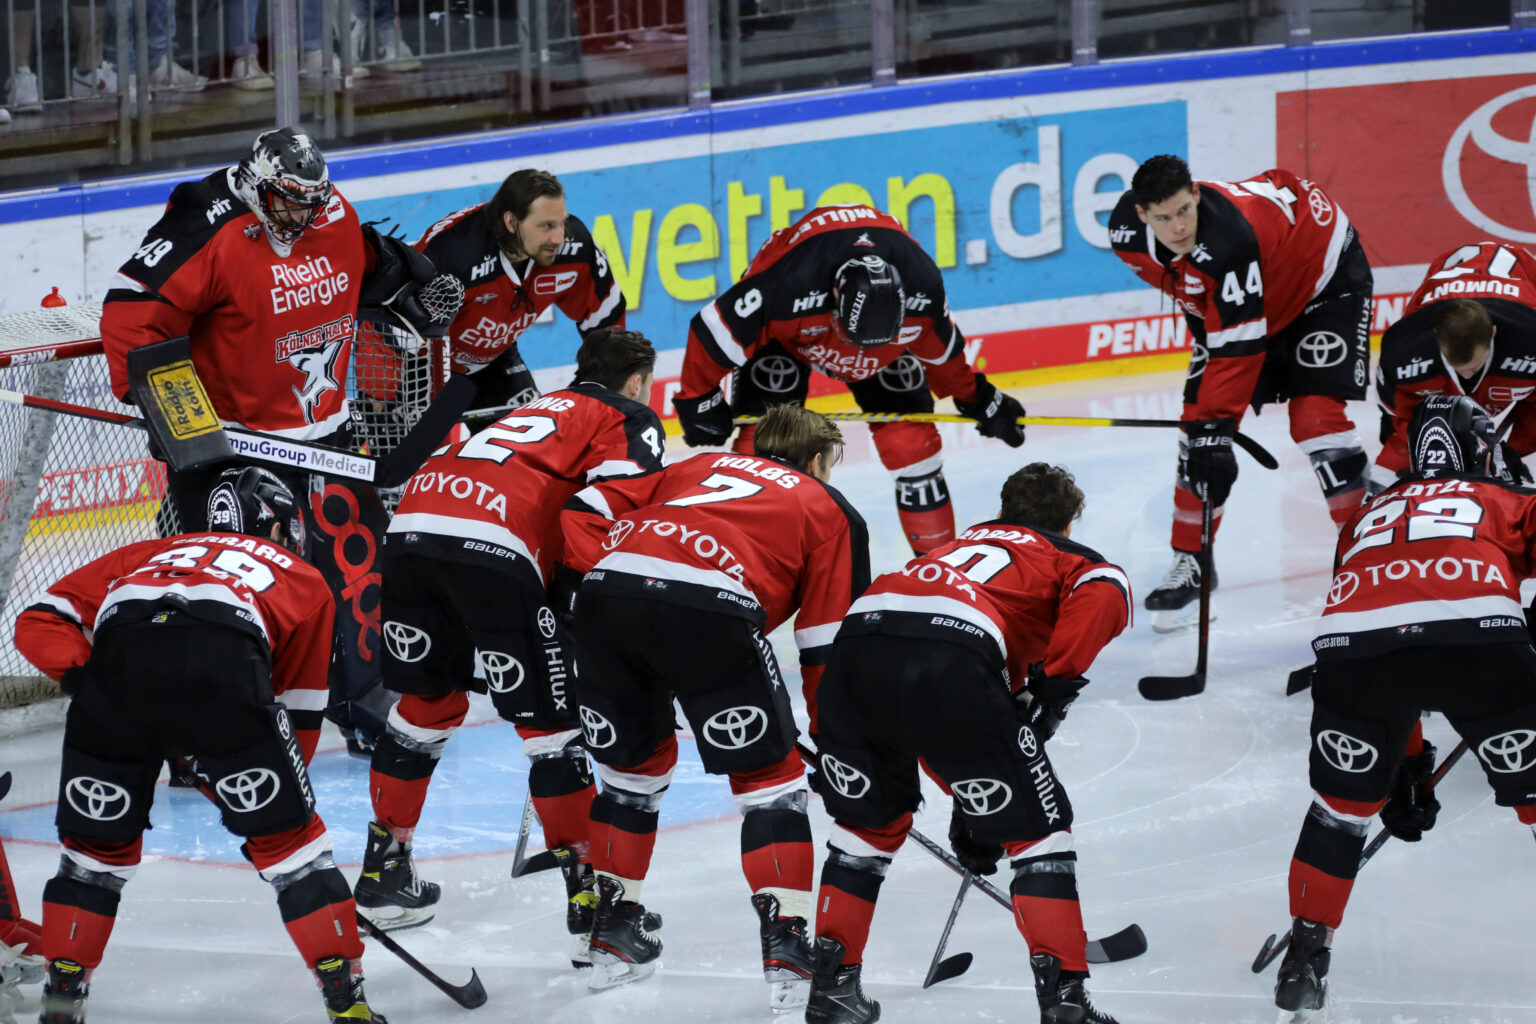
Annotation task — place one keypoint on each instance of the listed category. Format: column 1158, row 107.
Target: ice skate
column 1175, row 603
column 64, row 992
column 343, row 992
column 1063, row 995
column 1301, row 987
column 625, row 946
column 836, row 995
column 787, row 958
column 581, row 903
column 389, row 893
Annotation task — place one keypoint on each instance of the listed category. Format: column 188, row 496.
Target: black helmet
column 249, row 500
column 869, row 302
column 285, row 164
column 1450, row 434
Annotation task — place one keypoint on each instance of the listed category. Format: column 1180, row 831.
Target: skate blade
column 608, row 971
column 23, row 970
column 1296, row 1016
column 1179, row 620
column 787, row 996
column 581, row 951
column 394, row 919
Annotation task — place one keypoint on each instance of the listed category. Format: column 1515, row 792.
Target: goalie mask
column 868, row 302
column 1450, row 434
column 285, row 183
column 250, row 500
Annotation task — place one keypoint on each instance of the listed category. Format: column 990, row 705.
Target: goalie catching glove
column 996, row 413
column 406, row 283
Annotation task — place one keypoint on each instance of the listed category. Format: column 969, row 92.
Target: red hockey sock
column 1186, row 520
column 621, row 838
column 566, row 818
column 927, row 529
column 320, row 916
column 845, row 906
column 1317, row 895
column 77, row 920
column 776, row 850
column 397, row 803
column 1046, row 910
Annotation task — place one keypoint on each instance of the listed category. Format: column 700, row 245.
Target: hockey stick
column 1260, row 454
column 1125, row 944
column 1174, row 687
column 1276, row 944
column 468, row 995
column 942, row 968
column 522, row 865
column 1299, row 680
column 392, row 469
column 5, row 784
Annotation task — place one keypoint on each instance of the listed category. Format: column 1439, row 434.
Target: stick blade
column 472, row 993
column 949, row 967
column 5, row 784
column 1171, row 687
column 538, row 862
column 1298, row 680
column 1267, row 954
column 1125, row 944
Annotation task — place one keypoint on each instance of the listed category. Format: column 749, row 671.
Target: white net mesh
column 72, row 489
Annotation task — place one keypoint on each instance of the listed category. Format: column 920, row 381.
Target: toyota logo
column 735, row 728
column 982, row 796
column 494, row 666
column 1344, row 586
column 1028, row 744
column 1197, row 357
column 250, row 790
column 777, row 374
column 1509, row 752
column 1321, row 349
column 905, row 374
column 617, row 534
column 1322, row 209
column 1346, row 752
column 845, row 778
column 1478, row 127
column 546, row 620
column 597, row 730
column 95, row 799
column 406, row 642
column 284, row 725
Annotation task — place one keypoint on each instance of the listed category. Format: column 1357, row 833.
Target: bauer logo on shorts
column 250, row 790
column 1345, row 752
column 1509, row 752
column 406, row 642
column 982, row 796
column 182, row 400
column 845, row 778
column 737, row 727
column 598, row 731
column 497, row 668
column 95, row 799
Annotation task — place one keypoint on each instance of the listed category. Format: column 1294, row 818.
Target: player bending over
column 691, row 569
column 967, row 659
column 214, row 645
column 1446, row 634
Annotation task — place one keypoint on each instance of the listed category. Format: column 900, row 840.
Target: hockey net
column 72, row 489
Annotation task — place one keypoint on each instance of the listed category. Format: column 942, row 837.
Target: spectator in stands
column 92, row 75
column 376, row 36
column 241, row 33
column 164, row 72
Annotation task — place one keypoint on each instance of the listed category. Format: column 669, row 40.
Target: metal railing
column 206, row 74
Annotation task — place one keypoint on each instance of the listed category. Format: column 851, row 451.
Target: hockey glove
column 1210, row 464
column 996, row 413
column 70, row 681
column 406, row 282
column 1509, row 466
column 705, row 420
column 1411, row 809
column 1048, row 699
column 564, row 582
column 976, row 857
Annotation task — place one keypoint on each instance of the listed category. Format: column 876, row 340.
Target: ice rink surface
column 1186, row 817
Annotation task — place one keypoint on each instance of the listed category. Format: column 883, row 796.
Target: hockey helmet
column 285, row 183
column 1450, row 434
column 249, row 500
column 868, row 301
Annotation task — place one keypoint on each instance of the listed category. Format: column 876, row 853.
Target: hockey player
column 21, row 948
column 213, row 644
column 1423, row 614
column 966, row 659
column 1276, row 292
column 691, row 569
column 468, row 560
column 264, row 265
column 1469, row 330
column 517, row 255
column 844, row 290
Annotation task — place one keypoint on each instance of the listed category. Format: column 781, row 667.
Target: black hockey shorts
column 886, row 701
column 637, row 655
column 453, row 626
column 1327, row 349
column 172, row 685
column 1364, row 708
column 774, row 377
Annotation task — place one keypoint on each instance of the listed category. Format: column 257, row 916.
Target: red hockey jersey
column 786, row 296
column 1025, row 594
column 1264, row 248
column 503, row 299
column 229, row 579
column 1503, row 278
column 271, row 335
column 1430, row 562
column 748, row 536
column 500, row 492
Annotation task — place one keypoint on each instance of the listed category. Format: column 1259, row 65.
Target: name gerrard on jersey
column 312, row 282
